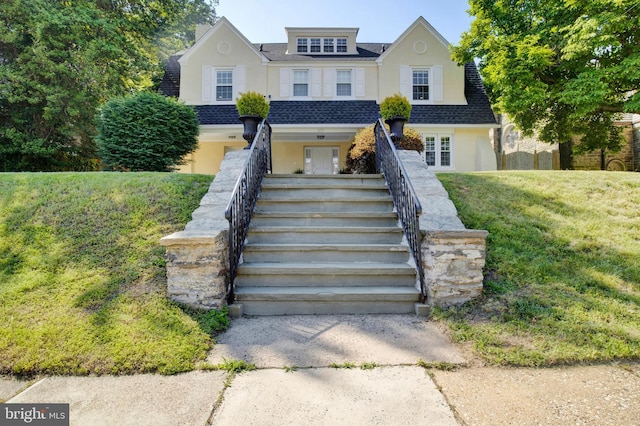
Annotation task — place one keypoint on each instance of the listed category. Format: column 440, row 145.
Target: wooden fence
column 544, row 160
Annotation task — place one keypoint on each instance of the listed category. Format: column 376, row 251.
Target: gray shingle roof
column 277, row 52
column 319, row 112
column 477, row 111
column 170, row 84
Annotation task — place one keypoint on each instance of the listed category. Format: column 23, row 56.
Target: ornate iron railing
column 244, row 197
column 404, row 196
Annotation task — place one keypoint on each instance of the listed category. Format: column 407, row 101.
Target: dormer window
column 342, row 45
column 315, row 45
column 328, row 45
column 302, row 45
column 321, row 45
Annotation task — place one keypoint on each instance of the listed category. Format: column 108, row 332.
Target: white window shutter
column 360, row 77
column 207, row 83
column 437, row 84
column 406, row 86
column 316, row 82
column 239, row 81
column 285, row 74
column 329, row 82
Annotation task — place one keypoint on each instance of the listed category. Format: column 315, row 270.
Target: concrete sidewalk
column 295, row 383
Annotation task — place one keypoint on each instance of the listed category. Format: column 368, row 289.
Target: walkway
column 296, row 384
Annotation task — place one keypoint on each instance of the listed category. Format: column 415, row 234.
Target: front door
column 321, row 160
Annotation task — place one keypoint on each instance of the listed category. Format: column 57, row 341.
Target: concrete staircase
column 325, row 245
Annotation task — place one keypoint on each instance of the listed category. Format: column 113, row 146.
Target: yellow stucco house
column 323, row 86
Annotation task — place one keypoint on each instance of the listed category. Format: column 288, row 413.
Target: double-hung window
column 302, row 45
column 328, row 45
column 224, row 85
column 343, row 82
column 300, row 82
column 315, row 45
column 445, row 151
column 430, row 150
column 420, row 84
column 341, row 45
column 438, row 151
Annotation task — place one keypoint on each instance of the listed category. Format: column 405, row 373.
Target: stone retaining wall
column 197, row 257
column 453, row 257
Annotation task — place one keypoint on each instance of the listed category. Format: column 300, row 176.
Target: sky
column 264, row 21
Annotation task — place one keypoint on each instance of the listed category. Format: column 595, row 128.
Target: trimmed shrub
column 146, row 132
column 361, row 157
column 252, row 103
column 395, row 106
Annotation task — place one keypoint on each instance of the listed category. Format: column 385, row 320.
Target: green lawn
column 82, row 276
column 562, row 279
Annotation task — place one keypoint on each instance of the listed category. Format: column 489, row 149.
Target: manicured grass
column 82, row 275
column 562, row 281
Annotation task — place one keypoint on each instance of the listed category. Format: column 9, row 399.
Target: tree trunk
column 566, row 155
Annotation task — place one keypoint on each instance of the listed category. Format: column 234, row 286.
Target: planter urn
column 396, row 129
column 251, row 123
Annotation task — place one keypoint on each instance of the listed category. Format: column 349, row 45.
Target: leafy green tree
column 146, row 131
column 561, row 68
column 61, row 59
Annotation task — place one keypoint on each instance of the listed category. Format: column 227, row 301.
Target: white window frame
column 342, row 45
column 302, row 45
column 217, row 84
column 350, row 83
column 415, row 84
column 295, row 72
column 327, row 46
column 435, row 83
column 439, row 141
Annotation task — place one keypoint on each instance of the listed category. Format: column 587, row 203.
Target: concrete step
column 325, row 244
column 315, row 192
column 325, row 205
column 323, row 253
column 325, row 180
column 265, row 274
column 324, row 235
column 315, row 219
column 326, row 300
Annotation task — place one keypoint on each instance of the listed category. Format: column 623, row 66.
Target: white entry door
column 321, row 160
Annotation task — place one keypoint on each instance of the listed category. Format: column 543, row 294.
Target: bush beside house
column 361, row 157
column 146, row 132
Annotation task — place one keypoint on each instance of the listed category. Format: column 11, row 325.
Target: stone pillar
column 453, row 263
column 197, row 268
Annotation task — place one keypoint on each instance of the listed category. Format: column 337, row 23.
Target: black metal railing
column 244, row 197
column 404, row 196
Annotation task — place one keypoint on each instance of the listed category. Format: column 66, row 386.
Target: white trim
column 419, row 21
column 285, row 83
column 222, row 22
column 207, row 83
column 360, row 82
column 438, row 136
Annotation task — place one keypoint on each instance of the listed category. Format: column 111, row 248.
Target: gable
column 421, row 47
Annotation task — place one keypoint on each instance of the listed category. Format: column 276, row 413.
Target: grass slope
column 82, row 276
column 562, row 281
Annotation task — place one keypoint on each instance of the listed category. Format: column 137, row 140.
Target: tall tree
column 562, row 68
column 61, row 59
